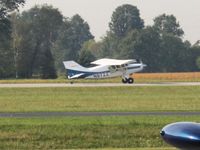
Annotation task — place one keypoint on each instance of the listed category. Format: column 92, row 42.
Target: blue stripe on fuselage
column 85, row 74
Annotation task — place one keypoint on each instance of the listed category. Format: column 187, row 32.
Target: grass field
column 185, row 98
column 129, row 133
column 86, row 132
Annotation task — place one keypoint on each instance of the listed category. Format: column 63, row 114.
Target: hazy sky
column 98, row 12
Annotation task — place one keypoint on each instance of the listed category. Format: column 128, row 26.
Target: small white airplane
column 105, row 68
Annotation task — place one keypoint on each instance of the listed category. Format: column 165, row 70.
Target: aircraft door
column 124, row 67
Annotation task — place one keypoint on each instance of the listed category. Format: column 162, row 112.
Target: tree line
column 34, row 43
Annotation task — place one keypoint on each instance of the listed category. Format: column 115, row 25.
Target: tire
column 124, row 81
column 130, row 80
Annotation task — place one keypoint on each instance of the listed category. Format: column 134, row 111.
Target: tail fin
column 74, row 70
column 72, row 65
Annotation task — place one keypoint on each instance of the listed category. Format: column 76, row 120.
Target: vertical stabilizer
column 72, row 65
column 74, row 70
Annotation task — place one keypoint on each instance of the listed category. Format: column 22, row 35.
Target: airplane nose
column 143, row 65
column 162, row 133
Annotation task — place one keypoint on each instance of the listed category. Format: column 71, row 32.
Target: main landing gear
column 127, row 80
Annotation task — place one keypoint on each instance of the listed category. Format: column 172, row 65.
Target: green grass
column 131, row 133
column 170, row 98
column 85, row 132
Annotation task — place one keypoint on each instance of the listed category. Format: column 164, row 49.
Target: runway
column 92, row 114
column 35, row 85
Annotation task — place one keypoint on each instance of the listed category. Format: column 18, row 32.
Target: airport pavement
column 92, row 114
column 32, row 85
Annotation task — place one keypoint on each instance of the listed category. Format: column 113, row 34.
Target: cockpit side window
column 112, row 69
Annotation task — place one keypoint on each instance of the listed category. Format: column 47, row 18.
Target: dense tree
column 148, row 49
column 24, row 47
column 6, row 53
column 78, row 33
column 126, row 48
column 198, row 62
column 6, row 57
column 60, row 48
column 174, row 54
column 73, row 34
column 109, row 46
column 7, row 6
column 41, row 36
column 194, row 57
column 38, row 29
column 85, row 57
column 92, row 46
column 5, row 28
column 159, row 46
column 168, row 24
column 124, row 19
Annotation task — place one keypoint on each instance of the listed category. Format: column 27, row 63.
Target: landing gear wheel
column 130, row 80
column 124, row 80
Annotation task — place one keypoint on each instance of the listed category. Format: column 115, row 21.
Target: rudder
column 72, row 65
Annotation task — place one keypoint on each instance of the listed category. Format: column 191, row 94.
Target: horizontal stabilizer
column 75, row 76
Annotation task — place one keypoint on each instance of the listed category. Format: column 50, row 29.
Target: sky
column 97, row 13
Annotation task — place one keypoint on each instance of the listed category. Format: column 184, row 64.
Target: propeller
column 143, row 65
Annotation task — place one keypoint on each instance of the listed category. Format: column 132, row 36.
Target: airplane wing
column 111, row 62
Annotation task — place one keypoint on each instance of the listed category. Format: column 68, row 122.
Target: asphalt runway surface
column 92, row 114
column 32, row 85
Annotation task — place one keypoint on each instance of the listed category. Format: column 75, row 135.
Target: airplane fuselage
column 105, row 68
column 106, row 71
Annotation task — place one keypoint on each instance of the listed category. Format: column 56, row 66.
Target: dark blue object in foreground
column 183, row 135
